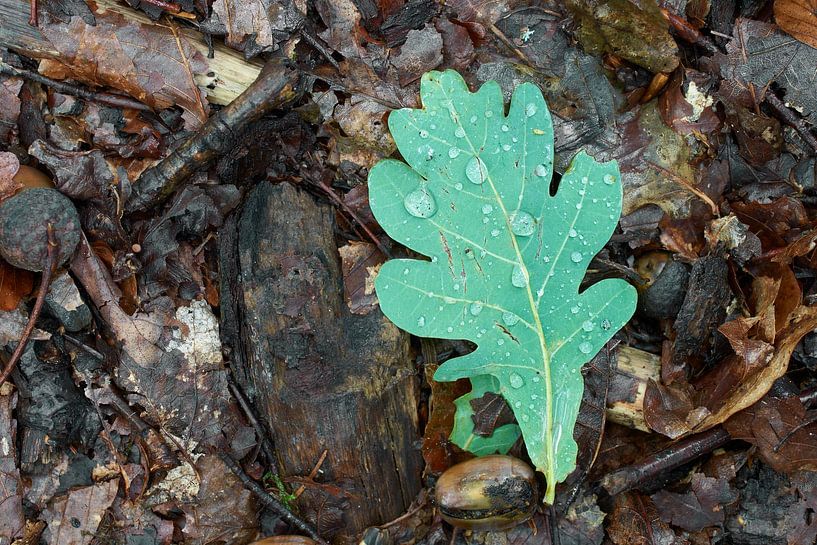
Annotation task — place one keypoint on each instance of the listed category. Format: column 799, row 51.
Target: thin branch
column 276, row 85
column 116, row 101
column 689, row 187
column 789, row 118
column 268, row 500
column 45, row 281
column 337, row 200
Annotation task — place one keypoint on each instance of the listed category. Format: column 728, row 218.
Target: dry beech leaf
column 798, row 18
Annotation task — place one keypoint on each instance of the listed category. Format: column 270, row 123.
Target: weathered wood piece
column 321, row 378
column 230, row 74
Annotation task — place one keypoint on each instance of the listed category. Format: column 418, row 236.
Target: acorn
column 489, row 493
column 285, row 540
column 665, row 286
column 24, row 218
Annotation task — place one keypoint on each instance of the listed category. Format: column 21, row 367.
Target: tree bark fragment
column 321, row 378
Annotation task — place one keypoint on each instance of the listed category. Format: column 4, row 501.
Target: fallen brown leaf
column 73, row 519
column 755, row 386
column 783, row 431
column 9, row 165
column 153, row 63
column 14, row 285
column 798, row 18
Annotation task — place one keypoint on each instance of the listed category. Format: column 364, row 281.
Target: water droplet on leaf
column 420, row 203
column 576, row 257
column 585, row 348
column 609, row 179
column 475, row 308
column 530, row 110
column 510, row 319
column 519, row 277
column 516, row 380
column 541, row 171
column 459, row 132
column 522, row 223
column 588, row 325
column 453, row 152
column 476, row 171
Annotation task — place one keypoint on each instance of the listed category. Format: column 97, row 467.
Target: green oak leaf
column 506, row 257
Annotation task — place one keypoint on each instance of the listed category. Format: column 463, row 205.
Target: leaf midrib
column 551, row 457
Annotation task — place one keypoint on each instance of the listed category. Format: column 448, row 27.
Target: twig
column 270, row 501
column 337, row 200
column 68, row 89
column 276, row 85
column 32, row 19
column 789, row 118
column 319, row 47
column 407, row 514
column 689, row 33
column 45, row 281
column 673, row 457
column 689, row 187
column 266, row 443
column 170, row 7
column 507, row 43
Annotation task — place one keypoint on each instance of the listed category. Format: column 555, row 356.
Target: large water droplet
column 609, row 179
column 420, row 203
column 506, row 147
column 494, row 232
column 519, row 277
column 576, row 257
column 459, row 132
column 585, row 348
column 572, row 233
column 423, row 134
column 588, row 325
column 476, row 171
column 541, row 171
column 475, row 308
column 510, row 319
column 487, row 208
column 574, row 310
column 421, row 321
column 453, row 152
column 522, row 223
column 530, row 110
column 516, row 380
column 505, row 128
column 458, row 186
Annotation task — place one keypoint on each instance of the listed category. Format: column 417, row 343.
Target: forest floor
column 208, row 253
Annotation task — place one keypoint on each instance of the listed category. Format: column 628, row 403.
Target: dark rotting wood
column 320, row 378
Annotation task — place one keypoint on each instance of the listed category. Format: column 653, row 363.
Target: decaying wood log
column 321, row 378
column 625, row 400
column 230, row 74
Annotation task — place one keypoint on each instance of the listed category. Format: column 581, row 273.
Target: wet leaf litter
column 213, row 365
column 501, row 276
